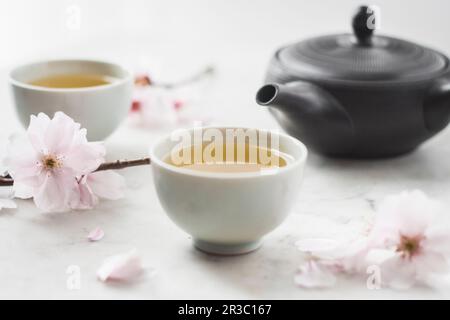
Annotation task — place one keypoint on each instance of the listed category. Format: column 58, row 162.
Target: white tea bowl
column 99, row 109
column 227, row 213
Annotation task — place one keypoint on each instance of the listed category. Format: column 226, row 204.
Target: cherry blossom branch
column 7, row 180
column 145, row 80
column 121, row 164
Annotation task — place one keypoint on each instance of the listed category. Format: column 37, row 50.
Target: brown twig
column 121, row 164
column 115, row 165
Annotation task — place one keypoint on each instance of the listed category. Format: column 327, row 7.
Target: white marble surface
column 337, row 196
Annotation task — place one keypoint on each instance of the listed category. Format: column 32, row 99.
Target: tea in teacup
column 228, row 159
column 80, row 80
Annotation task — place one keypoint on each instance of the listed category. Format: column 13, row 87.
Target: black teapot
column 360, row 94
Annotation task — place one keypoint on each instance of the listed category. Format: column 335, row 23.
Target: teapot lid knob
column 364, row 25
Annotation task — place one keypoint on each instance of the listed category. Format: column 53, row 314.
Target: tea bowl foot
column 226, row 249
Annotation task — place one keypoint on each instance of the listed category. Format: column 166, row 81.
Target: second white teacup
column 100, row 109
column 227, row 212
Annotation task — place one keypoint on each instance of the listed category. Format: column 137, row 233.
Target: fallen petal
column 314, row 275
column 121, row 267
column 96, row 234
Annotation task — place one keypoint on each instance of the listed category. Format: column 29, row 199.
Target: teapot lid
column 361, row 56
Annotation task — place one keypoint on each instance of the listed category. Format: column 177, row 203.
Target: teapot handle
column 436, row 107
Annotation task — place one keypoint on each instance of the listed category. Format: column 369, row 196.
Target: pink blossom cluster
column 55, row 164
column 408, row 244
column 159, row 106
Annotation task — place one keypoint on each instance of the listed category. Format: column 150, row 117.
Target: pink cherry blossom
column 409, row 240
column 45, row 163
column 155, row 106
column 121, row 267
column 416, row 231
column 161, row 104
column 101, row 184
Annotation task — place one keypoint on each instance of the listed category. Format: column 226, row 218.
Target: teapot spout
column 311, row 114
column 278, row 96
column 300, row 98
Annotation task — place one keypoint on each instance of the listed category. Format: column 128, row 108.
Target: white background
column 174, row 38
